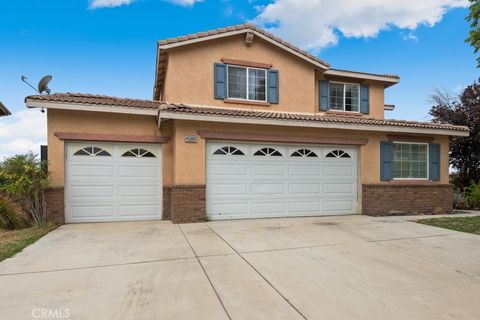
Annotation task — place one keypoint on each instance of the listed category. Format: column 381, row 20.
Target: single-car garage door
column 272, row 180
column 113, row 182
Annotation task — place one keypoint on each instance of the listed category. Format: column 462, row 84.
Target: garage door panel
column 268, row 208
column 268, row 188
column 339, row 171
column 229, row 208
column 338, row 188
column 299, row 182
column 331, row 206
column 227, row 170
column 305, row 207
column 114, row 187
column 86, row 171
column 137, row 171
column 261, row 170
column 221, row 189
column 304, row 169
column 306, row 189
column 138, row 210
column 94, row 211
column 92, row 191
column 138, row 190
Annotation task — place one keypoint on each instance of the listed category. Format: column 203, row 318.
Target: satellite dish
column 43, row 84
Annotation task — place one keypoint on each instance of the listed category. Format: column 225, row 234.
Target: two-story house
column 242, row 125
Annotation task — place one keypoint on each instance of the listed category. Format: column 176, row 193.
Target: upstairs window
column 247, row 83
column 344, row 97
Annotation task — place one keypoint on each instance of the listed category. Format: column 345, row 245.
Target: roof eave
column 388, row 80
column 90, row 107
column 311, row 124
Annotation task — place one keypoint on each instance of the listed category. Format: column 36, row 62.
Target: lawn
column 463, row 224
column 12, row 242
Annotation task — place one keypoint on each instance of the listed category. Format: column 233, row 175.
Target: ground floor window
column 410, row 161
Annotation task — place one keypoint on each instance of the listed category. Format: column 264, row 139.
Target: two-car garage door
column 113, row 182
column 123, row 182
column 272, row 180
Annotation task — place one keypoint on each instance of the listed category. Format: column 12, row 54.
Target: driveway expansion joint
column 95, row 267
column 205, row 272
column 260, row 274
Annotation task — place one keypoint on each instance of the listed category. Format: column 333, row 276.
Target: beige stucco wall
column 90, row 122
column 190, row 158
column 190, row 75
column 184, row 163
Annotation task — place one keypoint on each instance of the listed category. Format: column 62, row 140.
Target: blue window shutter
column 364, row 99
column 273, row 85
column 434, row 159
column 324, row 94
column 220, row 79
column 386, row 160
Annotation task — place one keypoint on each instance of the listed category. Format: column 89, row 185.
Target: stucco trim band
column 214, row 135
column 246, row 63
column 110, row 137
column 404, row 138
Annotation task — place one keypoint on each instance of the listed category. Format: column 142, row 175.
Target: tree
column 474, row 34
column 463, row 110
column 24, row 176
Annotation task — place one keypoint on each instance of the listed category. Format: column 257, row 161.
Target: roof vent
column 249, row 39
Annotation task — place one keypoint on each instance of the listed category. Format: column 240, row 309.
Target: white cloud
column 316, row 24
column 24, row 131
column 95, row 4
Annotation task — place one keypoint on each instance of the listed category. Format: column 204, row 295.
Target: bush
column 25, row 176
column 11, row 214
column 474, row 195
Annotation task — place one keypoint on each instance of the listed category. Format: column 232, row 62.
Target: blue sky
column 92, row 48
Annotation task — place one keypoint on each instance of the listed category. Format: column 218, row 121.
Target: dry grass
column 12, row 242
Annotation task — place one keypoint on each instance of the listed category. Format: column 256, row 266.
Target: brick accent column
column 184, row 203
column 167, row 203
column 54, row 197
column 399, row 199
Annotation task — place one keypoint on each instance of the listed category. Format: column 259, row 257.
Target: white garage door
column 271, row 180
column 113, row 182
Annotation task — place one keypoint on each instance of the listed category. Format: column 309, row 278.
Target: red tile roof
column 93, row 99
column 78, row 98
column 316, row 117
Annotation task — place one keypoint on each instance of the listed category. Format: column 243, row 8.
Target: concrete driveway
column 352, row 267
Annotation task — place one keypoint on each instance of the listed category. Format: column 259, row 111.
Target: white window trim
column 428, row 160
column 344, row 83
column 247, row 78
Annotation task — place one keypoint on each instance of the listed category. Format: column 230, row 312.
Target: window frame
column 247, row 84
column 344, row 95
column 412, row 143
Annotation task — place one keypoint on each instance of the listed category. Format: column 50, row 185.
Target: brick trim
column 110, row 137
column 184, row 203
column 54, row 198
column 215, row 135
column 396, row 199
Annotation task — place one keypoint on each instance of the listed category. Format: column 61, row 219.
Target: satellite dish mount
column 42, row 84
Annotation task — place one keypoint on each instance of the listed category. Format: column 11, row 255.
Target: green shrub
column 474, row 195
column 11, row 214
column 25, row 176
